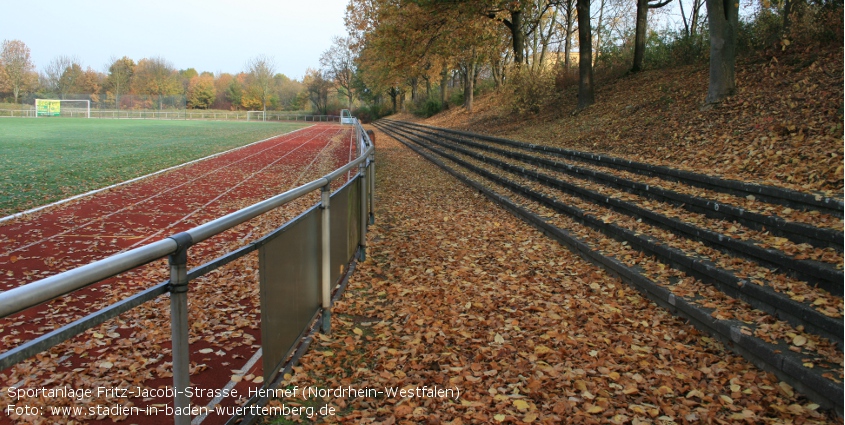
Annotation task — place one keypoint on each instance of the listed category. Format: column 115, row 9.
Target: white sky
column 208, row 35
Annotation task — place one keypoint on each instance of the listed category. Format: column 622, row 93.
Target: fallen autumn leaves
column 458, row 293
column 134, row 349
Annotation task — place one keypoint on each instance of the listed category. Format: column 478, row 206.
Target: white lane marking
column 82, row 226
column 225, row 192
column 82, row 195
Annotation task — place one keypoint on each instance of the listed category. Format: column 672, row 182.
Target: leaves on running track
column 134, row 348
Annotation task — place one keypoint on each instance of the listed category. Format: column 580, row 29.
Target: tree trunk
column 402, row 100
column 518, row 36
column 640, row 34
column 586, row 96
column 684, row 19
column 469, row 83
column 444, row 81
column 567, row 46
column 696, row 12
column 532, row 59
column 414, row 82
column 787, row 9
column 548, row 37
column 598, row 32
column 494, row 70
column 723, row 16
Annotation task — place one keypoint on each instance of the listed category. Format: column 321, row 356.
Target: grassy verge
column 45, row 160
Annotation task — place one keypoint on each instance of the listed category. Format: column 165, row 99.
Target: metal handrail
column 175, row 248
column 180, row 114
column 41, row 291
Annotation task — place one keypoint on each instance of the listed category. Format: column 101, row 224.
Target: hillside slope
column 784, row 127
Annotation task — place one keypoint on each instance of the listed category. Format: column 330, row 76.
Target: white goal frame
column 263, row 115
column 87, row 105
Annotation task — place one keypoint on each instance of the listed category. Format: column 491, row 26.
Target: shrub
column 427, row 108
column 817, row 22
column 759, row 32
column 370, row 113
column 456, row 97
column 531, row 90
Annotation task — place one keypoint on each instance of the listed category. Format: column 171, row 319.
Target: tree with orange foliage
column 201, row 92
column 16, row 68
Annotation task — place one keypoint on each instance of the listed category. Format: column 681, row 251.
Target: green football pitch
column 45, row 160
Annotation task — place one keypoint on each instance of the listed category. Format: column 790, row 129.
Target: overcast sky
column 208, row 35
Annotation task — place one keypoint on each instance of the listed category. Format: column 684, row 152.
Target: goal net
column 256, row 116
column 62, row 108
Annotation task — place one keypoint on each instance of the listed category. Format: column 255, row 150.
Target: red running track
column 133, row 351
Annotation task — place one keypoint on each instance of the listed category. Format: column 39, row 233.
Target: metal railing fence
column 175, row 248
column 176, row 115
column 20, row 113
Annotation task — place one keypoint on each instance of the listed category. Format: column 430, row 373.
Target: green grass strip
column 48, row 159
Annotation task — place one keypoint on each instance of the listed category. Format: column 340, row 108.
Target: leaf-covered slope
column 783, row 128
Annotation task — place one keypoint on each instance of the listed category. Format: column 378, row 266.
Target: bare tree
column 318, row 87
column 16, row 65
column 569, row 15
column 62, row 74
column 599, row 30
column 723, row 17
column 542, row 34
column 261, row 70
column 338, row 62
column 691, row 25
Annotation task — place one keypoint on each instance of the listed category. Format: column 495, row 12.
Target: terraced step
column 788, row 197
column 640, row 259
column 824, row 275
column 794, row 231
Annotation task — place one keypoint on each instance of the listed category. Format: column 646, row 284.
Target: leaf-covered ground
column 784, row 127
column 457, row 293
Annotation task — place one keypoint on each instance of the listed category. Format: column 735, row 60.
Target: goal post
column 256, row 116
column 53, row 108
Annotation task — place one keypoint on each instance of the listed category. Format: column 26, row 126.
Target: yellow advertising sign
column 49, row 108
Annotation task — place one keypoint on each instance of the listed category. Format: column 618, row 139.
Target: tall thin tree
column 338, row 62
column 261, row 70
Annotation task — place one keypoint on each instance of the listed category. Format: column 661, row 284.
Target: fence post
column 372, row 196
column 325, row 197
column 179, row 328
column 362, row 172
